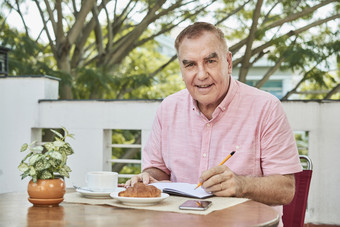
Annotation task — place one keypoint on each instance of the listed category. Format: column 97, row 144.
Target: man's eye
column 211, row 61
column 189, row 65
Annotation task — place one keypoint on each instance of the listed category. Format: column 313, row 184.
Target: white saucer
column 97, row 195
column 132, row 201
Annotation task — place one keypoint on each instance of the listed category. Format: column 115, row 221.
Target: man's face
column 205, row 68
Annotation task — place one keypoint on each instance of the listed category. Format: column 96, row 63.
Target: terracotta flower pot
column 46, row 192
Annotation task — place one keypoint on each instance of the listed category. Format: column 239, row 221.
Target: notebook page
column 184, row 189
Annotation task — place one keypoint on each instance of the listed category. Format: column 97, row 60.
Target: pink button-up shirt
column 184, row 143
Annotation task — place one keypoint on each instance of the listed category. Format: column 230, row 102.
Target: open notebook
column 182, row 189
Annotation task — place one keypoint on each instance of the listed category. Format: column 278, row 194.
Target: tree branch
column 163, row 66
column 335, row 90
column 286, row 36
column 232, row 12
column 290, row 18
column 98, row 31
column 305, row 76
column 168, row 28
column 50, row 14
column 124, row 45
column 277, row 65
column 52, row 45
column 248, row 53
column 298, row 14
column 60, row 37
column 86, row 7
column 270, row 72
column 21, row 17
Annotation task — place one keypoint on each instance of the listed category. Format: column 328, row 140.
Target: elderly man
column 196, row 128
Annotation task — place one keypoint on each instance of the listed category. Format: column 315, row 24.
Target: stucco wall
column 30, row 103
column 322, row 120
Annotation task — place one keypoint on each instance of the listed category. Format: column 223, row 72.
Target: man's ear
column 230, row 62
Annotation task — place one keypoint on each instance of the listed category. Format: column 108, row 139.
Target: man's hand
column 148, row 176
column 221, row 181
column 271, row 190
column 142, row 177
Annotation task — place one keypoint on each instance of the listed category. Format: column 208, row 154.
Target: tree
column 286, row 48
column 80, row 39
column 92, row 40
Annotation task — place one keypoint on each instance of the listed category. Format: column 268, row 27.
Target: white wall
column 22, row 112
column 19, row 112
column 322, row 120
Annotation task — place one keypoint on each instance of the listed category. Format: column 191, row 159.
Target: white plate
column 97, row 195
column 133, row 201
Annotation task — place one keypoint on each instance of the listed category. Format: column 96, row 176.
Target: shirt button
column 208, row 125
column 204, row 155
column 223, row 108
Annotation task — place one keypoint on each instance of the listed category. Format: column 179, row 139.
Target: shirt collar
column 233, row 87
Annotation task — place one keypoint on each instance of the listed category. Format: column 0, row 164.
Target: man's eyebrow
column 185, row 62
column 212, row 55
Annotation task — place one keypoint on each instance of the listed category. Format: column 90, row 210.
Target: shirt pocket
column 243, row 163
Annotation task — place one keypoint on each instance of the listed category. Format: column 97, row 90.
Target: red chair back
column 294, row 213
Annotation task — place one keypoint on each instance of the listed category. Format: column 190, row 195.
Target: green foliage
column 320, row 81
column 126, row 137
column 45, row 164
column 26, row 56
column 301, row 138
column 132, row 79
column 134, row 74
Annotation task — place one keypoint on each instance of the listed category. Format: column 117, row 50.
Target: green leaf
column 37, row 149
column 24, row 147
column 57, row 133
column 49, row 146
column 64, row 158
column 67, row 134
column 46, row 175
column 34, row 159
column 24, row 175
column 23, row 167
column 56, row 155
column 46, row 164
column 53, row 163
column 67, row 168
column 32, row 144
column 58, row 143
column 63, row 172
column 69, row 150
column 39, row 165
column 32, row 171
column 28, row 155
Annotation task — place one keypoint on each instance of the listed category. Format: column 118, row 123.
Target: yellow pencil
column 231, row 154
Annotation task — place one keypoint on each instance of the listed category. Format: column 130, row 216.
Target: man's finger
column 212, row 172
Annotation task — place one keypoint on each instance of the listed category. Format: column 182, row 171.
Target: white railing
column 29, row 104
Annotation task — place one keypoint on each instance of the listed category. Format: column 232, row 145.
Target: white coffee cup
column 102, row 181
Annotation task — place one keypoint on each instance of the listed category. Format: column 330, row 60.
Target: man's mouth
column 204, row 85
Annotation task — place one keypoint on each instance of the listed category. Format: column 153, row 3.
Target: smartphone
column 195, row 205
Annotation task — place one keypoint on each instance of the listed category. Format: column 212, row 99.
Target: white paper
column 183, row 189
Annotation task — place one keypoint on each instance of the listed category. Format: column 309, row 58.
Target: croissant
column 141, row 190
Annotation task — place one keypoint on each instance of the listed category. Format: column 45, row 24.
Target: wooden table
column 15, row 210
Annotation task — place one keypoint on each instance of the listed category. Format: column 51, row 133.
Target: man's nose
column 202, row 73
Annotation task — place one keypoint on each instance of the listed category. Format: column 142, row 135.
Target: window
column 272, row 86
column 302, row 141
column 125, row 153
column 43, row 135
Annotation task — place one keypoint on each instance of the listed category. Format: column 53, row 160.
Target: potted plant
column 46, row 165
